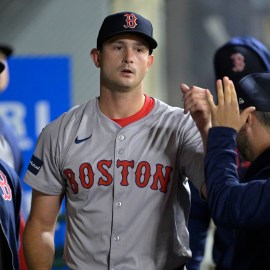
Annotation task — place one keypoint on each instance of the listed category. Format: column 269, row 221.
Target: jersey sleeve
column 233, row 204
column 192, row 153
column 43, row 173
column 17, row 197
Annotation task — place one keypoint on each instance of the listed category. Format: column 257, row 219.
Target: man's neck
column 121, row 105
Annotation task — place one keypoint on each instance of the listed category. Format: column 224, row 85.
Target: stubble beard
column 243, row 145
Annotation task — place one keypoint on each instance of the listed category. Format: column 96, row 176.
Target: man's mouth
column 126, row 70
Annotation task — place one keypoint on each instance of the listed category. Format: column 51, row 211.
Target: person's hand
column 227, row 113
column 195, row 102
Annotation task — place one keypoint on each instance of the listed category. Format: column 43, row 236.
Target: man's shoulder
column 167, row 108
column 73, row 115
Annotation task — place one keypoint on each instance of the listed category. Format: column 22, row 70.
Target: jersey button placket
column 118, row 204
column 121, row 137
column 116, row 243
column 120, row 151
column 116, row 238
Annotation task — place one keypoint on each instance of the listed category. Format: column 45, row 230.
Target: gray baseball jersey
column 127, row 196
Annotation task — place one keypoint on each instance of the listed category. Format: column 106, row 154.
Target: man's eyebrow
column 117, row 41
column 122, row 42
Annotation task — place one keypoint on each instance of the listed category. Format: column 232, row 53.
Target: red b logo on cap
column 130, row 20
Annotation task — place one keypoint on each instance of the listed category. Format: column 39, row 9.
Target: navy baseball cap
column 2, row 67
column 241, row 56
column 6, row 50
column 126, row 22
column 254, row 90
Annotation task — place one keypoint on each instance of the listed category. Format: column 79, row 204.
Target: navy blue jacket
column 245, row 206
column 10, row 205
column 198, row 224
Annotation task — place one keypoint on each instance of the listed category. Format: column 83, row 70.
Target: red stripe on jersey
column 146, row 109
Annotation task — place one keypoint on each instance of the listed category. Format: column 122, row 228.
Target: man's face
column 4, row 76
column 124, row 62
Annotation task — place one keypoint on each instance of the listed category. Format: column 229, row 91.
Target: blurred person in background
column 10, row 151
column 241, row 120
column 240, row 56
column 10, row 206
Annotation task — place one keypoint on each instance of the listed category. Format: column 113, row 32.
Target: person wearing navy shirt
column 243, row 206
column 10, row 150
column 10, row 205
column 238, row 57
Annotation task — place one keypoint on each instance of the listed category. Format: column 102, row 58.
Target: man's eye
column 141, row 49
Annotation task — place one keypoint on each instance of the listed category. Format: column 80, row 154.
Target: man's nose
column 128, row 58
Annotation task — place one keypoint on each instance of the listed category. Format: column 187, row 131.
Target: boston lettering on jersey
column 143, row 177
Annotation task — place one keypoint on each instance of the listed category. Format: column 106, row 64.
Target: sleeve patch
column 35, row 165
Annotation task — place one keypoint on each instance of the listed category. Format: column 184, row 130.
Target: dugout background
column 188, row 32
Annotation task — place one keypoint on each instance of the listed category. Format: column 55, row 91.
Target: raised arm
column 38, row 238
column 231, row 203
column 196, row 103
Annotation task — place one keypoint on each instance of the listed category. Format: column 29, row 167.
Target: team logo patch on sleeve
column 35, row 165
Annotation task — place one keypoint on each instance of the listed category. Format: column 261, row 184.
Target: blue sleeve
column 17, row 197
column 10, row 216
column 198, row 224
column 16, row 194
column 233, row 204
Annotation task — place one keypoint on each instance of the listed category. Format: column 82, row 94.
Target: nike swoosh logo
column 77, row 140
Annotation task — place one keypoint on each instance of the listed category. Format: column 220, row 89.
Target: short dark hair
column 263, row 117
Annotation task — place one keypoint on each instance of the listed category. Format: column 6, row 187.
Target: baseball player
column 10, row 203
column 9, row 148
column 10, row 151
column 238, row 57
column 121, row 161
column 246, row 206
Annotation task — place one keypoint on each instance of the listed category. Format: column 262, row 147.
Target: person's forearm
column 38, row 247
column 231, row 203
column 204, row 135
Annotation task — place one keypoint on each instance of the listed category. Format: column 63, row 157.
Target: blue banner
column 39, row 91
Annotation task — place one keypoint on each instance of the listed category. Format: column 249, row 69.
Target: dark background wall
column 196, row 28
column 56, row 27
column 193, row 30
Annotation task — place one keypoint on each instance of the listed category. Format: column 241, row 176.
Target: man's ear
column 250, row 119
column 150, row 60
column 95, row 55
